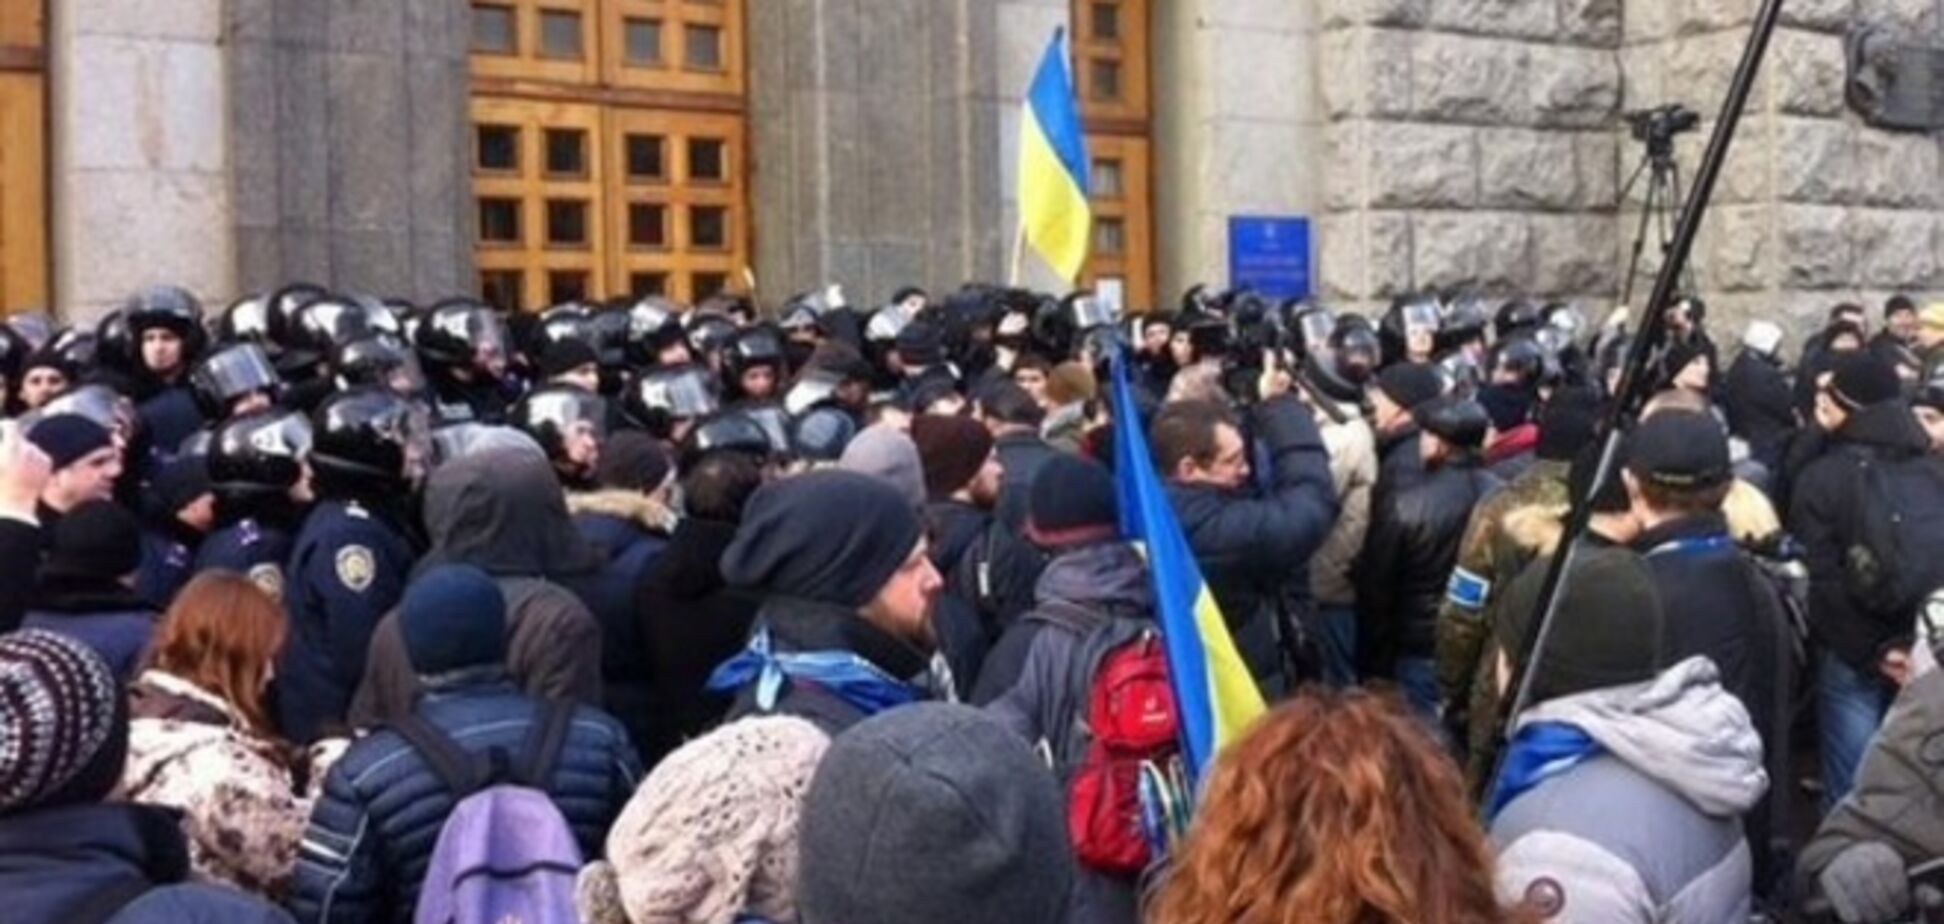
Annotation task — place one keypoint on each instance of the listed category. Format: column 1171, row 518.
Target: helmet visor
column 235, row 371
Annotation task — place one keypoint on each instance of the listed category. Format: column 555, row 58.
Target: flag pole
column 1018, row 256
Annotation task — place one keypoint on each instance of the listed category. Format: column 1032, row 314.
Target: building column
column 1238, row 128
column 140, row 165
column 885, row 133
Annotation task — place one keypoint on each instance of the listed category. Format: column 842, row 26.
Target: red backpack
column 1132, row 727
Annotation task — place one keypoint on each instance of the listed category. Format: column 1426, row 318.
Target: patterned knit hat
column 712, row 834
column 63, row 725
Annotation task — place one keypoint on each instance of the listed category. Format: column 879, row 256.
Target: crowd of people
column 335, row 609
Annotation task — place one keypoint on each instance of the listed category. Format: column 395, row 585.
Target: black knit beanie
column 97, row 539
column 1070, row 495
column 830, row 536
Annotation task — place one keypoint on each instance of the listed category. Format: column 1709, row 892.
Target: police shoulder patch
column 356, row 568
column 1468, row 590
column 268, row 578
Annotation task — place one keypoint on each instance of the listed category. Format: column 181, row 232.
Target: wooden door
column 23, row 152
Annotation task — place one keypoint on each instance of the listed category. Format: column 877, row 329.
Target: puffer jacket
column 191, row 751
column 1898, row 787
column 1353, row 471
column 1254, row 548
column 371, row 834
column 1021, row 452
column 1080, row 592
column 1647, row 827
column 1079, row 589
column 101, row 614
column 1821, row 502
column 53, row 862
column 1408, row 560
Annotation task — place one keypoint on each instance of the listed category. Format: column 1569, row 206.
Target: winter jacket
column 1080, row 588
column 1898, row 787
column 1492, row 553
column 20, row 548
column 103, row 614
column 1080, row 592
column 553, row 649
column 795, row 625
column 987, row 568
column 1399, row 464
column 1021, row 453
column 1647, row 828
column 691, row 621
column 629, row 526
column 1760, row 406
column 502, row 511
column 371, row 834
column 1408, row 560
column 168, row 562
column 54, row 861
column 1719, row 606
column 1821, row 504
column 1254, row 548
column 1353, row 473
column 191, row 751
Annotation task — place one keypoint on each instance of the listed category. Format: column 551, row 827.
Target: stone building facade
column 230, row 145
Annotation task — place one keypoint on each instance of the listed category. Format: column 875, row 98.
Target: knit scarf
column 1539, row 752
column 843, row 673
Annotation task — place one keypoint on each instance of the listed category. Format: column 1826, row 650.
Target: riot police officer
column 467, row 354
column 570, row 424
column 259, row 472
column 754, row 365
column 165, row 328
column 350, row 563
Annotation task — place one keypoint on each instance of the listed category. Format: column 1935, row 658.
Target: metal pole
column 1632, row 391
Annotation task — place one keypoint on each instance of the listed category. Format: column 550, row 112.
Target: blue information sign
column 1270, row 255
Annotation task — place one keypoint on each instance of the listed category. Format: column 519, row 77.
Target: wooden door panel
column 23, row 153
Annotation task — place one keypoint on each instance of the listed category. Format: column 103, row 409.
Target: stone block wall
column 140, row 173
column 1814, row 207
column 1468, row 142
column 350, row 144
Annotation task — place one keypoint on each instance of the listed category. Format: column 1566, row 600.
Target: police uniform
column 250, row 548
column 347, row 569
column 168, row 562
column 169, row 418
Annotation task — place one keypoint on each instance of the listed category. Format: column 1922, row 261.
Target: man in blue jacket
column 1253, row 543
column 371, row 834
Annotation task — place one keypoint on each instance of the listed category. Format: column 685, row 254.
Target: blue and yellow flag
column 1214, row 691
column 1054, row 214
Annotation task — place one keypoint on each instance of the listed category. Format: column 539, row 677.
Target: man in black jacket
column 1253, row 546
column 1864, row 656
column 1397, row 391
column 1677, row 474
column 1413, row 545
column 1014, row 419
column 1756, row 396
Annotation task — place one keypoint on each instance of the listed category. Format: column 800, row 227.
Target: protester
column 978, row 837
column 202, row 739
column 1253, row 548
column 1014, row 419
column 179, row 511
column 1621, row 756
column 66, row 853
column 1352, row 448
column 25, row 470
column 627, row 515
column 1412, row 548
column 371, row 834
column 1334, row 808
column 1397, row 392
column 86, row 589
column 1757, row 396
column 711, row 836
column 844, row 631
column 84, row 462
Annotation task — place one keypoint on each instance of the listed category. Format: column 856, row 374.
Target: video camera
column 1658, row 126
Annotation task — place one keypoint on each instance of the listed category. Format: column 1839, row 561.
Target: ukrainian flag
column 1054, row 214
column 1215, row 694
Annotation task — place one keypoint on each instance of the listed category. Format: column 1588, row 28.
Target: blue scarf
column 1539, row 752
column 849, row 677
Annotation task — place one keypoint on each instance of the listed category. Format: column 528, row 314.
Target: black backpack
column 997, row 575
column 1890, row 554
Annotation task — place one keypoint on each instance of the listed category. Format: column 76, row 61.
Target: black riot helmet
column 1520, row 361
column 559, row 324
column 99, row 403
column 709, row 333
column 262, row 452
column 552, row 415
column 229, row 374
column 117, row 349
column 381, row 360
column 755, row 346
column 733, row 431
column 280, row 309
column 14, row 350
column 1408, row 316
column 368, row 436
column 607, row 333
column 658, row 398
column 326, row 323
column 246, row 320
column 171, row 308
column 1466, row 319
column 654, row 324
column 456, row 329
column 822, row 433
column 1514, row 317
column 1355, row 348
column 75, row 348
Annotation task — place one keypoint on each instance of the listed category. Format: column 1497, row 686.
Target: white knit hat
column 1763, row 337
column 712, row 833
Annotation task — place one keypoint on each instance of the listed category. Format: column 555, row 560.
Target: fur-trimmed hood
column 633, row 506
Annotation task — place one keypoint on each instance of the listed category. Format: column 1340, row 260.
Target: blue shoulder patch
column 1468, row 590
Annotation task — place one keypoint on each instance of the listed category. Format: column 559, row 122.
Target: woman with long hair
column 1336, row 808
column 201, row 740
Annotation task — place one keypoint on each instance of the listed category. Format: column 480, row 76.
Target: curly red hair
column 1336, row 808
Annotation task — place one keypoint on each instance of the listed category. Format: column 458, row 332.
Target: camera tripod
column 1657, row 208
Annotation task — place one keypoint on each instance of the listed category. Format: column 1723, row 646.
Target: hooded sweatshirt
column 1645, row 824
